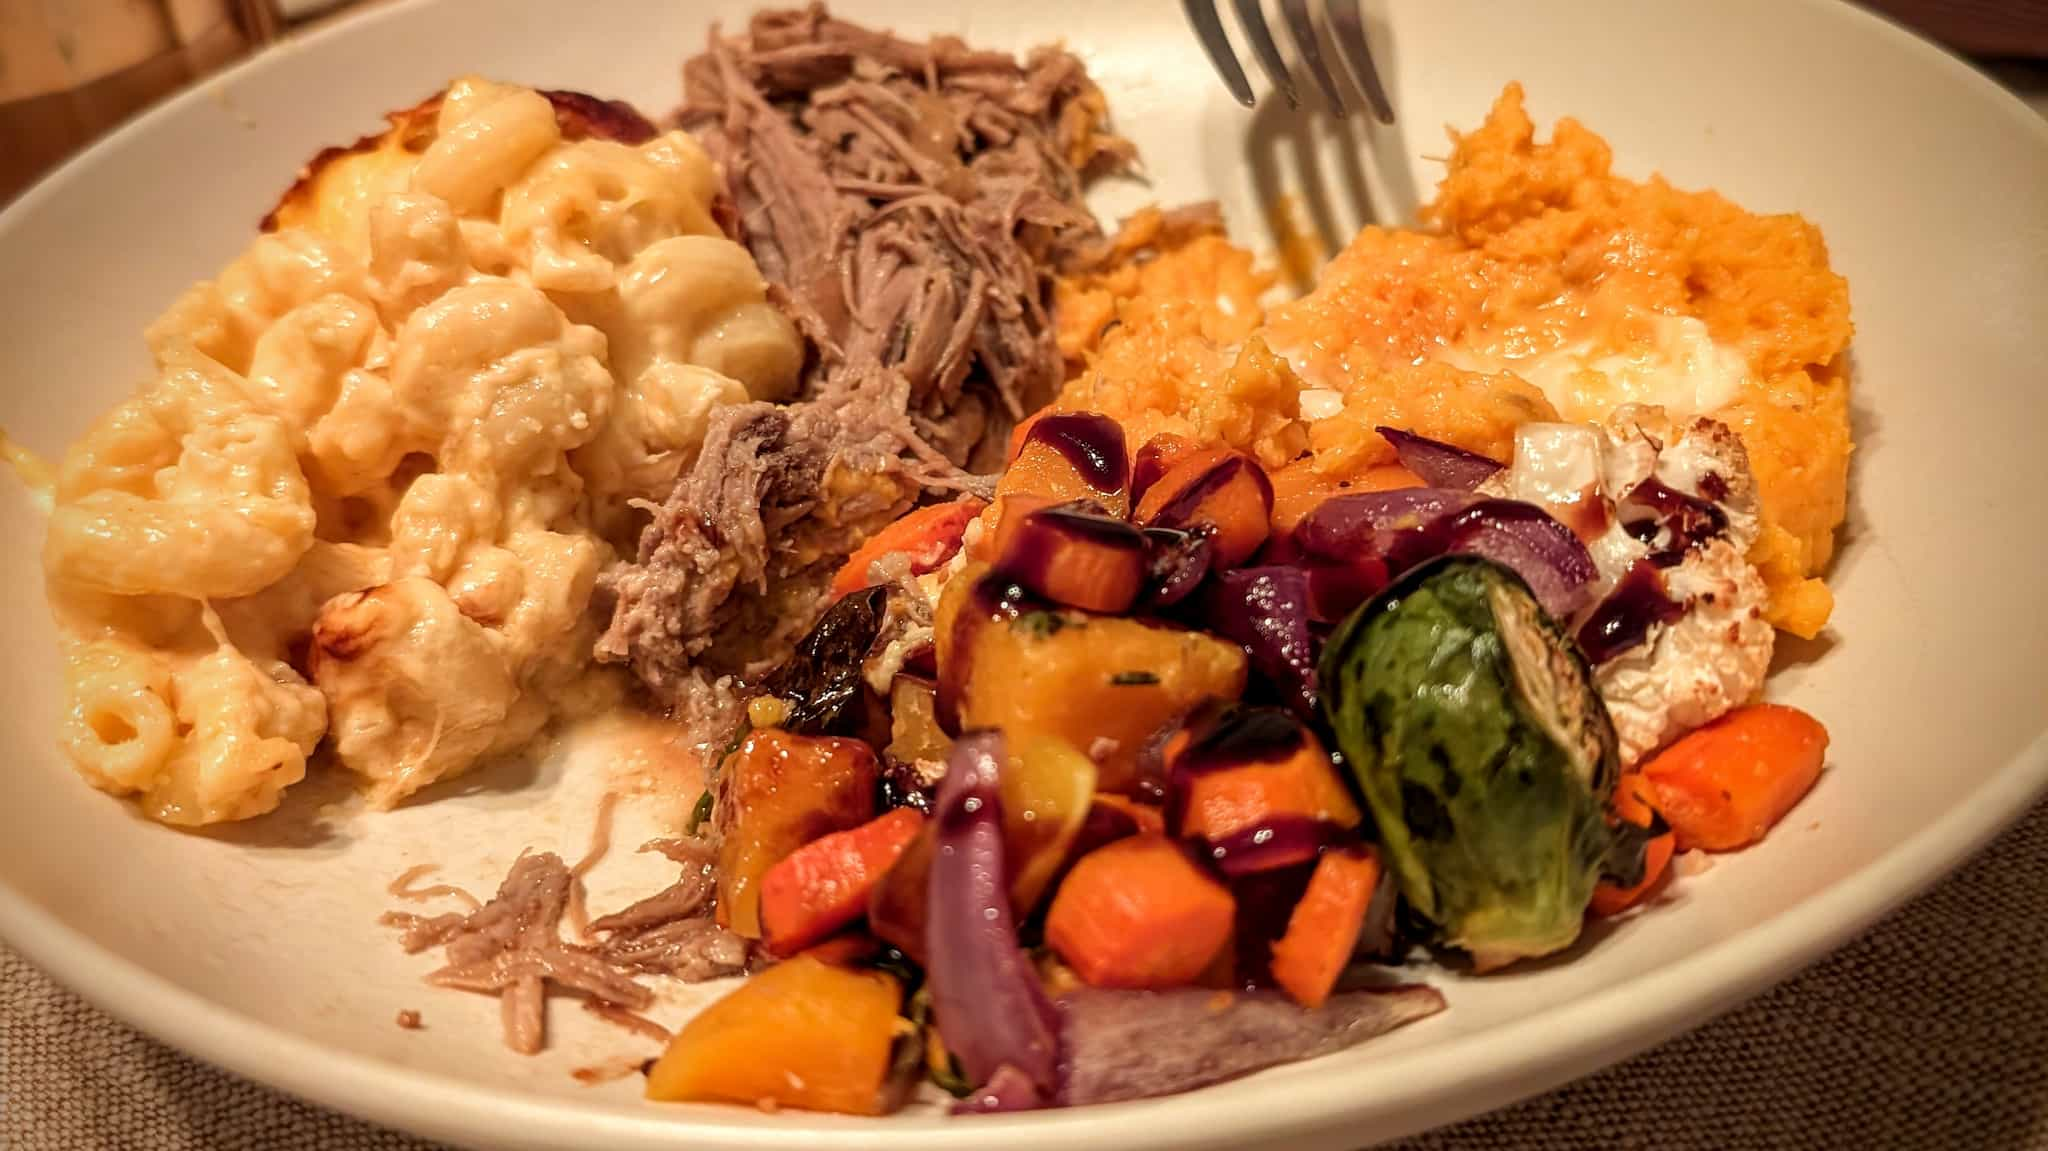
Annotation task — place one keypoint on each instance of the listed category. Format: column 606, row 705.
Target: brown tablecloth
column 1931, row 1031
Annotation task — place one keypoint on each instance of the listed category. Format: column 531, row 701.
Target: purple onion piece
column 1007, row 1090
column 1336, row 589
column 1176, row 562
column 1401, row 526
column 1437, row 463
column 1122, row 1045
column 988, row 1003
column 1266, row 609
column 1280, row 842
column 1545, row 553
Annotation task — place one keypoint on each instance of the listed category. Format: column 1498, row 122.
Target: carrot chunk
column 824, row 885
column 930, row 536
column 1138, row 913
column 1225, row 491
column 1724, row 785
column 1298, row 488
column 1631, row 804
column 1222, row 800
column 1323, row 930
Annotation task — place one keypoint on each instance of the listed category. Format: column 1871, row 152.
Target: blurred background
column 72, row 69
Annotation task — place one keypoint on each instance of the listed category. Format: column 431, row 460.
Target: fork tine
column 1253, row 19
column 1304, row 30
column 1209, row 27
column 1351, row 41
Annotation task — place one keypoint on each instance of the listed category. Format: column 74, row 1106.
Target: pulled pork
column 512, row 946
column 910, row 204
column 912, row 201
column 734, row 565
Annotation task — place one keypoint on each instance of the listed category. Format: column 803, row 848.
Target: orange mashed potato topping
column 1541, row 287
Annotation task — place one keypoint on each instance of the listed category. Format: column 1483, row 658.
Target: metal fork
column 1347, row 28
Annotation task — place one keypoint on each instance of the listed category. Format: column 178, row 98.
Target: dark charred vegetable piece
column 1266, row 609
column 1623, row 620
column 1627, row 854
column 699, row 813
column 1487, row 757
column 1074, row 554
column 985, row 994
column 823, row 681
column 1439, row 464
column 1176, row 562
column 1121, row 1045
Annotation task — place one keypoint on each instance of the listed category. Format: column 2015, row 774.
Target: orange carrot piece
column 1384, row 478
column 1323, row 930
column 1150, row 820
column 1227, row 490
column 824, row 885
column 1298, row 488
column 1631, row 804
column 1159, row 456
column 1042, row 469
column 929, row 536
column 1724, row 785
column 1138, row 913
column 1224, row 801
column 1022, row 432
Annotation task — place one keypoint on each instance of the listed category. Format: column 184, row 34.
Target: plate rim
column 1439, row 1084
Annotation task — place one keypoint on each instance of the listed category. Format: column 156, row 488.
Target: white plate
column 256, row 947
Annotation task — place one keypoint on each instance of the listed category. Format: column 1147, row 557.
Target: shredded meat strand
column 512, row 946
column 910, row 203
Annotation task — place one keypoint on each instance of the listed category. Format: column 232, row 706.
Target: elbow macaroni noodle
column 386, row 452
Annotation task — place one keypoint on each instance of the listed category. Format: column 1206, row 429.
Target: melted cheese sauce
column 1679, row 367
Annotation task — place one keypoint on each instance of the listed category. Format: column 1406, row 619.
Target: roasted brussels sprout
column 1484, row 752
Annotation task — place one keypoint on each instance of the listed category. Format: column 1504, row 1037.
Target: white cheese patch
column 1681, row 369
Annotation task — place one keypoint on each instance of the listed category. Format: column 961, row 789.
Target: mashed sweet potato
column 1531, row 250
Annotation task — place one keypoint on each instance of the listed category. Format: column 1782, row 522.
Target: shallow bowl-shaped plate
column 256, row 947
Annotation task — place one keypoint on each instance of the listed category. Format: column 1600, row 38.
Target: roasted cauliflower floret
column 1674, row 502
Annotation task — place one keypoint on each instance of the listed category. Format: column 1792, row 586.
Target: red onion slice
column 1397, row 526
column 1266, row 610
column 1176, row 562
column 986, row 999
column 1437, row 463
column 1007, row 1090
column 1546, row 554
column 1124, row 1045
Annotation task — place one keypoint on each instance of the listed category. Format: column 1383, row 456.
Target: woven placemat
column 1931, row 1031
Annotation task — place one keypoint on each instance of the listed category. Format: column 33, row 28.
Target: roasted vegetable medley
column 1140, row 776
